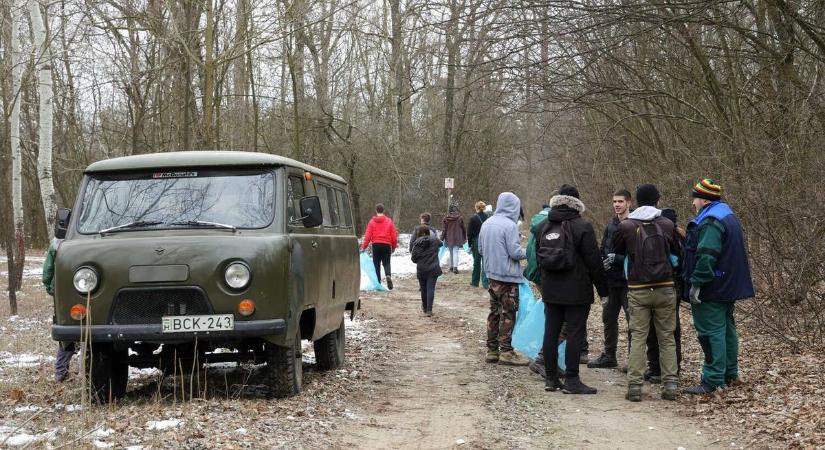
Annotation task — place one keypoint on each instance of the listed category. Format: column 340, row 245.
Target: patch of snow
column 27, row 408
column 23, row 359
column 241, row 431
column 22, row 437
column 101, row 444
column 163, row 424
column 103, row 432
column 357, row 329
column 134, row 447
column 73, row 408
column 143, row 373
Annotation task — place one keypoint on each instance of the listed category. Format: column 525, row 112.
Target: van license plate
column 180, row 324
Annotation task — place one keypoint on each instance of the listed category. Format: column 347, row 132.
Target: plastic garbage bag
column 369, row 279
column 528, row 335
column 467, row 248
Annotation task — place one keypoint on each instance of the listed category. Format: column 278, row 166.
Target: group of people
column 646, row 265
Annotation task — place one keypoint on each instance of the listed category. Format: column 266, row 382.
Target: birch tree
column 18, row 256
column 44, row 83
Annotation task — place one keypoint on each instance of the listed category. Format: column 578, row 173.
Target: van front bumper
column 153, row 332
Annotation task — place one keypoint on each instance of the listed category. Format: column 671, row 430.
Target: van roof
column 202, row 159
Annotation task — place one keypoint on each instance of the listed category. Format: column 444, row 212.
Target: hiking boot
column 701, row 389
column 584, row 358
column 653, row 378
column 428, row 313
column 512, row 358
column 552, row 384
column 603, row 362
column 492, row 356
column 670, row 391
column 538, row 368
column 574, row 385
column 389, row 283
column 624, row 368
column 634, row 393
column 455, row 270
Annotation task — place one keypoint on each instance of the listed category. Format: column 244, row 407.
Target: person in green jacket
column 64, row 351
column 532, row 272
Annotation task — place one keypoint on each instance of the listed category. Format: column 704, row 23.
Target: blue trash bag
column 467, row 248
column 369, row 279
column 441, row 251
column 528, row 335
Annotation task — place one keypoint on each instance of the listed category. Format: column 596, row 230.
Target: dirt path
column 437, row 392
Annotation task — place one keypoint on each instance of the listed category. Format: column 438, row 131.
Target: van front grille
column 147, row 306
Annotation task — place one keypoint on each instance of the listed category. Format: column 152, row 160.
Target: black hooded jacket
column 425, row 256
column 575, row 286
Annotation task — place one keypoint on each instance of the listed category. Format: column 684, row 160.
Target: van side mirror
column 61, row 222
column 311, row 215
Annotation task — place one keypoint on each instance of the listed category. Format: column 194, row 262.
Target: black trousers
column 616, row 302
column 427, row 286
column 575, row 316
column 381, row 255
column 653, row 347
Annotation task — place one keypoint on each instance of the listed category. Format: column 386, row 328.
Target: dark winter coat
column 425, row 256
column 626, row 243
column 575, row 286
column 433, row 232
column 615, row 275
column 453, row 232
column 474, row 228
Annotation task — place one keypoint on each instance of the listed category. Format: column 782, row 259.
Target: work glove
column 609, row 260
column 694, row 295
column 604, row 302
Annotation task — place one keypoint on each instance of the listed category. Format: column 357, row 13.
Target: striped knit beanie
column 707, row 189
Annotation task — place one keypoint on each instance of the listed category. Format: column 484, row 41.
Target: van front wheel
column 329, row 350
column 107, row 371
column 284, row 367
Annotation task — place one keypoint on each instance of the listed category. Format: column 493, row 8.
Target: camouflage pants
column 502, row 318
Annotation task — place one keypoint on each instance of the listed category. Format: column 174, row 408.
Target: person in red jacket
column 383, row 236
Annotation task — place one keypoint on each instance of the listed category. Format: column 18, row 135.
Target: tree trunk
column 44, row 154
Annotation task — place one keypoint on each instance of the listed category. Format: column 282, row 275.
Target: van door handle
column 314, row 244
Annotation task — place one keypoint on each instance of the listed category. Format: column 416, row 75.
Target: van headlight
column 85, row 280
column 237, row 275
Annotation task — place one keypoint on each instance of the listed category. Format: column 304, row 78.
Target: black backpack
column 556, row 250
column 650, row 261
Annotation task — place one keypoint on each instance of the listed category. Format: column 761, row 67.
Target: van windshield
column 178, row 199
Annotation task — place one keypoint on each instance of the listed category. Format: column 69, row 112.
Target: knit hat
column 707, row 189
column 670, row 213
column 647, row 195
column 569, row 190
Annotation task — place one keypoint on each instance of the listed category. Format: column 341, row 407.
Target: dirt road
column 439, row 393
column 409, row 382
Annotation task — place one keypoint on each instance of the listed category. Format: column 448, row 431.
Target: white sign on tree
column 449, row 183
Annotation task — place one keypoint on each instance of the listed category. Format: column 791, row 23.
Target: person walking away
column 717, row 275
column 454, row 235
column 501, row 252
column 568, row 257
column 654, row 370
column 617, row 297
column 383, row 236
column 67, row 350
column 473, row 230
column 425, row 256
column 648, row 241
column 423, row 219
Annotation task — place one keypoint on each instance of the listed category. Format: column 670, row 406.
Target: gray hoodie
column 499, row 243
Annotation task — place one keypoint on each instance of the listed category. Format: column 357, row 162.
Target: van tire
column 285, row 367
column 108, row 373
column 329, row 350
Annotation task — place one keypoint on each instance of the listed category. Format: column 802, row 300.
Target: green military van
column 171, row 256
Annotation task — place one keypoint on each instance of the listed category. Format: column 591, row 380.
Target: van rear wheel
column 285, row 368
column 107, row 370
column 329, row 350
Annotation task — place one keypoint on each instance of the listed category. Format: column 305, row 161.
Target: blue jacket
column 499, row 243
column 732, row 274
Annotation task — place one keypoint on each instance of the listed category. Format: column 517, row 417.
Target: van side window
column 295, row 191
column 343, row 204
column 322, row 196
column 333, row 207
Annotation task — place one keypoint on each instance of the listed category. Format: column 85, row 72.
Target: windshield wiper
column 203, row 223
column 136, row 224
